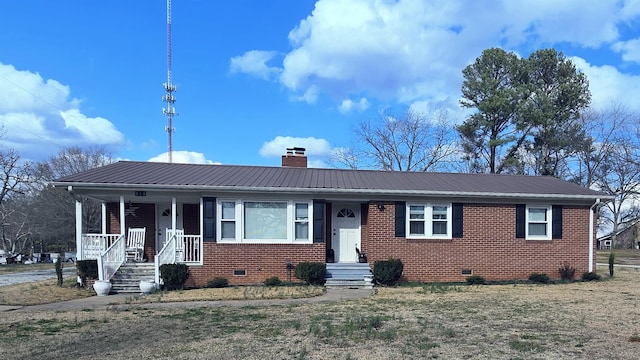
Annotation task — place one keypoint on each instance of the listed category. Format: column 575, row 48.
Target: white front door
column 346, row 232
column 164, row 222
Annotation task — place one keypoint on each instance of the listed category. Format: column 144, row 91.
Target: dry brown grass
column 232, row 293
column 42, row 292
column 597, row 320
column 622, row 256
column 14, row 268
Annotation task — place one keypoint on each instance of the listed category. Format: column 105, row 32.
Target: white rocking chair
column 135, row 244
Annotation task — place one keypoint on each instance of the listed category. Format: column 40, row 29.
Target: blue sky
column 256, row 77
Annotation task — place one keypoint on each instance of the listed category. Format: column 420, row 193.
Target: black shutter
column 318, row 221
column 401, row 218
column 456, row 209
column 556, row 222
column 209, row 219
column 520, row 220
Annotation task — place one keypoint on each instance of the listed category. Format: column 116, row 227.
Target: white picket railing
column 93, row 245
column 110, row 260
column 167, row 255
column 191, row 252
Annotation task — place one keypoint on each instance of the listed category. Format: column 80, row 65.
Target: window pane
column 265, row 220
column 302, row 211
column 229, row 210
column 416, row 228
column 537, row 214
column 439, row 213
column 228, row 229
column 537, row 229
column 439, row 228
column 302, row 230
column 416, row 212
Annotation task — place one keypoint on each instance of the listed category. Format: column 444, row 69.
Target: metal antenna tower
column 168, row 98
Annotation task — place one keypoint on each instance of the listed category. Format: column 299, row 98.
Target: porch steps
column 127, row 278
column 347, row 275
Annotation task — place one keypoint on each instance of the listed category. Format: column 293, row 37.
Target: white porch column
column 201, row 222
column 122, row 216
column 173, row 214
column 79, row 253
column 103, row 207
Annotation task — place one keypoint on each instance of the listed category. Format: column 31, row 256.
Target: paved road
column 36, row 275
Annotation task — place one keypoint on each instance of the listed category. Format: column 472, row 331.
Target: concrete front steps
column 347, row 276
column 127, row 278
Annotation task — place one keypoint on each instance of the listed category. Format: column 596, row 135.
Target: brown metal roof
column 230, row 177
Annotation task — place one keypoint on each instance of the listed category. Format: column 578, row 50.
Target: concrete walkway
column 120, row 301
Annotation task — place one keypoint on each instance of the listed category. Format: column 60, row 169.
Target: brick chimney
column 294, row 158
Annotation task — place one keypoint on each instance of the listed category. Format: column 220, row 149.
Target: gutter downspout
column 591, row 234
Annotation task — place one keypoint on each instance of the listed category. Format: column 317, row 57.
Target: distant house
column 626, row 238
column 249, row 223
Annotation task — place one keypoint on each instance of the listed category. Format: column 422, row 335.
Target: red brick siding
column 191, row 219
column 260, row 261
column 113, row 218
column 489, row 247
column 144, row 216
column 364, row 228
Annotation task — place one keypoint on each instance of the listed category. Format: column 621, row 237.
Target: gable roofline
column 234, row 178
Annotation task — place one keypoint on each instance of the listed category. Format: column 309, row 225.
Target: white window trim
column 239, row 220
column 428, row 219
column 548, row 208
column 219, row 220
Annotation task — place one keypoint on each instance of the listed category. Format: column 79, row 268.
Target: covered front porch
column 158, row 230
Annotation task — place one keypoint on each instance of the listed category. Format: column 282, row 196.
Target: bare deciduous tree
column 56, row 207
column 16, row 177
column 618, row 174
column 410, row 142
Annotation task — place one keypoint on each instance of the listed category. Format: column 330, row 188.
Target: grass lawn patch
column 42, row 292
column 16, row 268
column 623, row 256
column 577, row 320
column 232, row 293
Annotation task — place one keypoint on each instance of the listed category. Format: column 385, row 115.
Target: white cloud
column 310, row 96
column 94, row 130
column 40, row 118
column 630, row 50
column 183, row 157
column 278, row 146
column 608, row 85
column 349, row 105
column 255, row 63
column 413, row 51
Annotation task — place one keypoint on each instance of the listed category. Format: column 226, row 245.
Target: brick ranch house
column 247, row 223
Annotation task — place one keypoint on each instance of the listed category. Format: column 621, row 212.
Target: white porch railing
column 110, row 261
column 191, row 249
column 93, row 245
column 185, row 249
column 167, row 255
